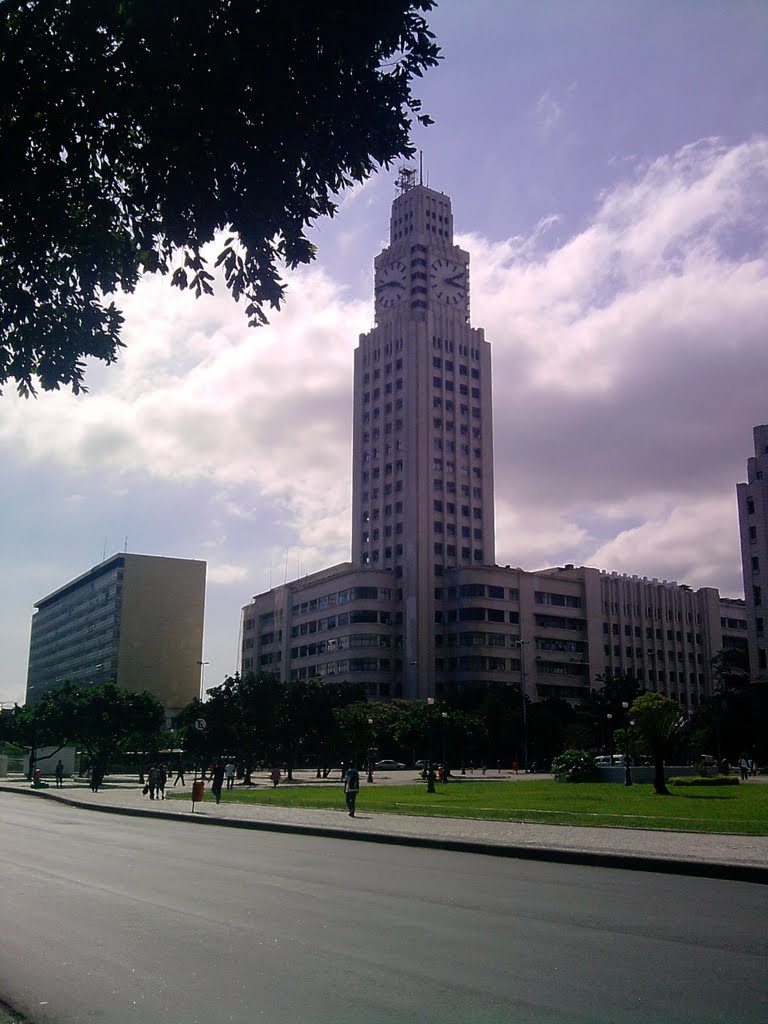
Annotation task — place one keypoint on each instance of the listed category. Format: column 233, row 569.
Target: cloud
column 629, row 369
column 226, row 574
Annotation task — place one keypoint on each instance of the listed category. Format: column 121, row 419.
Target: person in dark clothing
column 152, row 778
column 351, row 788
column 179, row 772
column 162, row 778
column 218, row 781
column 59, row 773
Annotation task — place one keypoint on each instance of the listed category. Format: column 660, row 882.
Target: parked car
column 391, row 766
column 422, row 764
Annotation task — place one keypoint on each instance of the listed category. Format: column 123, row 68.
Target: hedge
column 693, row 780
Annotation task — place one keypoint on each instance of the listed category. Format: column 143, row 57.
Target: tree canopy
column 135, row 132
column 660, row 722
column 103, row 721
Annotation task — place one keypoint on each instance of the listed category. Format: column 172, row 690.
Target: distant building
column 134, row 619
column 752, row 498
column 422, row 609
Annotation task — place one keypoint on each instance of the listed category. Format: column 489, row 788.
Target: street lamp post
column 370, row 750
column 430, row 769
column 522, row 644
column 627, row 723
column 202, row 665
column 444, row 719
column 609, row 719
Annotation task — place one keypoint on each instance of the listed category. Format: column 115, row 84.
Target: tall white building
column 422, row 609
column 752, row 498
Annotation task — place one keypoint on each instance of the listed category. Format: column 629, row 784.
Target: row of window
column 659, row 655
column 377, row 371
column 344, row 643
column 560, row 600
column 464, row 350
column 447, row 365
column 344, row 597
column 476, row 614
column 651, row 612
column 438, row 424
column 473, row 663
column 345, row 619
column 651, row 634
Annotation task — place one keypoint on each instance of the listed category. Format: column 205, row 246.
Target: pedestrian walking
column 351, row 788
column 152, row 781
column 96, row 776
column 229, row 774
column 744, row 767
column 275, row 776
column 59, row 773
column 162, row 778
column 218, row 781
column 179, row 772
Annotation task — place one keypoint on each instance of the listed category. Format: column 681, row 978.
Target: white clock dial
column 391, row 284
column 448, row 281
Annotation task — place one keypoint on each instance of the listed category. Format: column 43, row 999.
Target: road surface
column 111, row 919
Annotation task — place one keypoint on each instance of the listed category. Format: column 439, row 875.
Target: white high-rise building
column 752, row 500
column 422, row 609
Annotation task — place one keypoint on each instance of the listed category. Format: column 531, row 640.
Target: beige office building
column 134, row 619
column 422, row 609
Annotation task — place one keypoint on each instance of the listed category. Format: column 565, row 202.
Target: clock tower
column 423, row 442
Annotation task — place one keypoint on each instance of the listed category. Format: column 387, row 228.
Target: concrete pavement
column 729, row 856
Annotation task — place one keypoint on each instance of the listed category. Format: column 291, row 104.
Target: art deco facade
column 134, row 619
column 422, row 609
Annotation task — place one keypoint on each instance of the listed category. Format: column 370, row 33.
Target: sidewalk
column 736, row 857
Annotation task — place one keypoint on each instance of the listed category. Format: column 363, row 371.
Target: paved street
column 117, row 919
column 681, row 850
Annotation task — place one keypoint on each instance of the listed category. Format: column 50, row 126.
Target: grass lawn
column 742, row 808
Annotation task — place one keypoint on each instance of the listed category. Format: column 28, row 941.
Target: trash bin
column 198, row 788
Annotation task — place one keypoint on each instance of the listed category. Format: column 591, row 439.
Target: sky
column 608, row 168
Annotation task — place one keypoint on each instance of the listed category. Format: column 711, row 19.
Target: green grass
column 741, row 809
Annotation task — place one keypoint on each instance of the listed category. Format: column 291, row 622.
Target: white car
column 388, row 766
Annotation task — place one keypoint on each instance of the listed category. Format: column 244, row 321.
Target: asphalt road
column 110, row 919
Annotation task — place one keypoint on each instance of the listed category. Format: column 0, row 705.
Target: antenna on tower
column 421, row 167
column 406, row 179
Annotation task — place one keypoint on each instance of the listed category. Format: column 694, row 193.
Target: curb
column 626, row 862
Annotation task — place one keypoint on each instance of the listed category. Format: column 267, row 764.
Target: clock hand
column 457, row 280
column 388, row 284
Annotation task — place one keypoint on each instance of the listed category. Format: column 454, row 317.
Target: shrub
column 694, row 780
column 574, row 766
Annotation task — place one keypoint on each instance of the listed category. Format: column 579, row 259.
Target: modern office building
column 133, row 619
column 422, row 609
column 752, row 499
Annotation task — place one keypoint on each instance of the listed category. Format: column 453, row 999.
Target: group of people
column 157, row 776
column 747, row 767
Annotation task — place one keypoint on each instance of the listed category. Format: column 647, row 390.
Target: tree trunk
column 659, row 784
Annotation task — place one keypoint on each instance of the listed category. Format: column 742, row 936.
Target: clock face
column 390, row 284
column 448, row 281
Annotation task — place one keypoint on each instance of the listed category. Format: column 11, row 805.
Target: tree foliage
column 102, row 721
column 660, row 723
column 134, row 132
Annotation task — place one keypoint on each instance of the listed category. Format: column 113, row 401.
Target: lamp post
column 609, row 719
column 430, row 769
column 202, row 665
column 627, row 723
column 370, row 750
column 522, row 644
column 444, row 719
